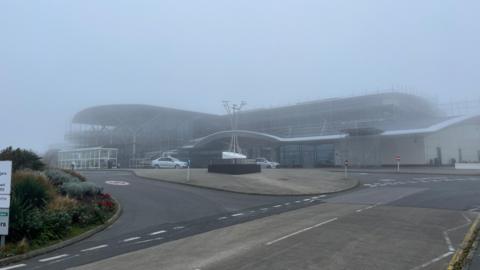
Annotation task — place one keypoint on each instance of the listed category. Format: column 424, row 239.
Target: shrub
column 61, row 203
column 56, row 225
column 75, row 174
column 31, row 189
column 80, row 190
column 22, row 159
column 88, row 214
column 58, row 177
column 25, row 221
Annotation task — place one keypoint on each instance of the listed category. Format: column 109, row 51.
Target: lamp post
column 233, row 111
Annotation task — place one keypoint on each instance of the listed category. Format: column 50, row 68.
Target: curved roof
column 268, row 137
column 258, row 135
column 129, row 114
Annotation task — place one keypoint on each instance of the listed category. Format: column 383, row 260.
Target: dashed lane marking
column 237, row 215
column 276, row 206
column 53, row 258
column 131, row 239
column 13, row 266
column 158, row 232
column 300, row 231
column 148, row 240
column 222, row 218
column 178, row 227
column 94, row 248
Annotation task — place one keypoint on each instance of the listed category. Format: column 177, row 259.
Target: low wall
column 234, row 168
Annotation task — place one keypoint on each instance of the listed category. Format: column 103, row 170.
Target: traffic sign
column 5, row 177
column 4, row 201
column 4, row 215
column 346, row 162
column 397, row 158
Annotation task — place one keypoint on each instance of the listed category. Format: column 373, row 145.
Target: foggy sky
column 58, row 57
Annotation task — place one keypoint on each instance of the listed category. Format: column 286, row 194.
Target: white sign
column 4, row 201
column 4, row 215
column 5, row 177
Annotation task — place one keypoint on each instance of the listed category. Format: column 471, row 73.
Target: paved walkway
column 268, row 182
column 414, row 170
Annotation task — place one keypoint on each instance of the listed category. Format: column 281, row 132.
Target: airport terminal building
column 368, row 130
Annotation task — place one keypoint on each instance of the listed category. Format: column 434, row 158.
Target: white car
column 168, row 162
column 264, row 163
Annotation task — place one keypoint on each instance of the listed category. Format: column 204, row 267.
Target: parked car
column 168, row 162
column 264, row 163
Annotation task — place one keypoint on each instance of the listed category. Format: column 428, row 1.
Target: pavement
column 412, row 170
column 268, row 182
column 390, row 221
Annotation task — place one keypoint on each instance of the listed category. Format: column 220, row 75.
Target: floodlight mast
column 233, row 112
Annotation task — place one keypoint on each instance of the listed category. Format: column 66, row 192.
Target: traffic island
column 268, row 182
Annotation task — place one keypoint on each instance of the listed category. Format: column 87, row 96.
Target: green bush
column 75, row 174
column 59, row 177
column 80, row 190
column 22, row 159
column 88, row 214
column 56, row 225
column 25, row 221
column 31, row 189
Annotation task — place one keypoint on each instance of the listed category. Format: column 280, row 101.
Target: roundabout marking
column 117, row 183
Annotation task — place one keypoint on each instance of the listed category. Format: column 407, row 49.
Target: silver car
column 168, row 162
column 264, row 163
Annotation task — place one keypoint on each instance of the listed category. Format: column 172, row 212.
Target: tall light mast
column 233, row 111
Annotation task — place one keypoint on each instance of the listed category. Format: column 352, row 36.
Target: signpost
column 346, row 168
column 5, row 190
column 397, row 158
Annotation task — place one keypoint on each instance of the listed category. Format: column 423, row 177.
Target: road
column 393, row 220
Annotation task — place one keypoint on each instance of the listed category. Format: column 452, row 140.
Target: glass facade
column 88, row 158
column 307, row 155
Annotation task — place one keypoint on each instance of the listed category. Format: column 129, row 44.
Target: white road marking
column 222, row 218
column 158, row 232
column 264, row 209
column 237, row 215
column 94, row 248
column 387, row 180
column 276, row 206
column 449, row 242
column 178, row 227
column 131, row 239
column 306, row 200
column 13, row 266
column 433, row 261
column 148, row 240
column 117, row 183
column 298, row 201
column 286, row 203
column 300, row 231
column 53, row 258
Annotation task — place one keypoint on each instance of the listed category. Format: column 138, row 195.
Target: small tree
column 22, row 159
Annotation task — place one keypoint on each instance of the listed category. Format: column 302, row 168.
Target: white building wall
column 465, row 137
column 410, row 148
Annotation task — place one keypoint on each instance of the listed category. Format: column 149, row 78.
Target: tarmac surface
column 391, row 221
column 268, row 182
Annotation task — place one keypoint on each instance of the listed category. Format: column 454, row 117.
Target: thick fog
column 58, row 57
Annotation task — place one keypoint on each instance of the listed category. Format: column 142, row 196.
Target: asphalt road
column 157, row 212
